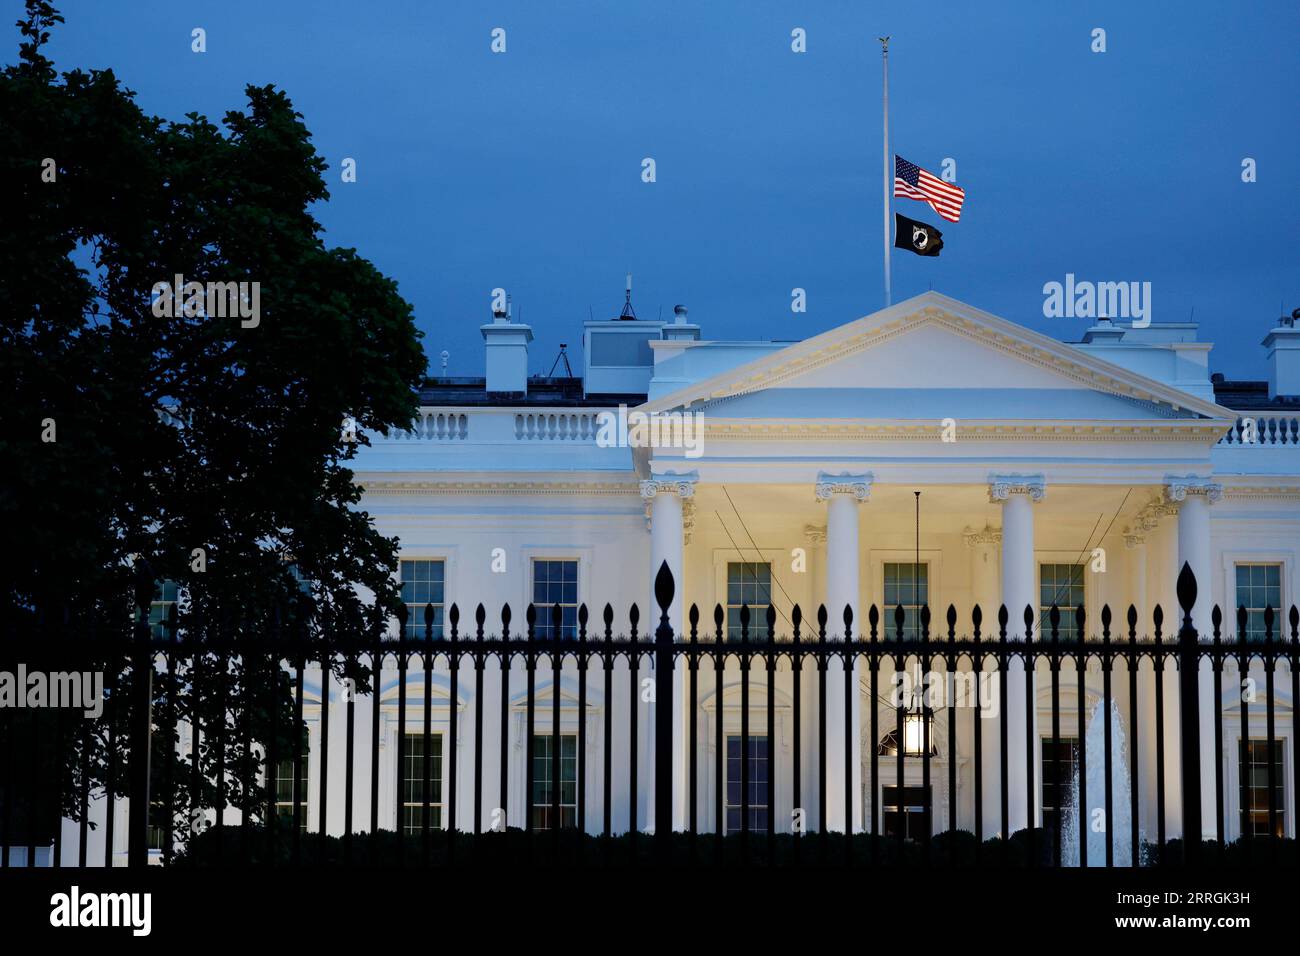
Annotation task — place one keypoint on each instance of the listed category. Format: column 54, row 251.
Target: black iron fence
column 55, row 764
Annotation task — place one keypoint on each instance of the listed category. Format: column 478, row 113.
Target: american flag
column 913, row 182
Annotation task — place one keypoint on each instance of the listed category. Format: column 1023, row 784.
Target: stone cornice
column 983, row 431
column 1002, row 487
column 1178, row 488
column 1262, row 492
column 406, row 487
column 859, row 486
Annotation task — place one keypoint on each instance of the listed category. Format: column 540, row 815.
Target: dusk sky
column 523, row 169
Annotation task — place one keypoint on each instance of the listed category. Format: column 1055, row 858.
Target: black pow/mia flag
column 916, row 236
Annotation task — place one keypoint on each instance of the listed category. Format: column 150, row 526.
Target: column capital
column 828, row 485
column 1148, row 518
column 1002, row 487
column 990, row 535
column 815, row 533
column 670, row 483
column 1177, row 488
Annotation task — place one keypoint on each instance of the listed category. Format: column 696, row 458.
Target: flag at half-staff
column 916, row 236
column 913, row 182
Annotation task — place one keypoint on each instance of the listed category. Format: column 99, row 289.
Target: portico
column 805, row 493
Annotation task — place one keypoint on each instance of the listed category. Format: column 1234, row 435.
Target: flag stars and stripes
column 913, row 182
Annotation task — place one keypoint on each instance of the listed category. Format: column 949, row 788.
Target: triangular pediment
column 933, row 357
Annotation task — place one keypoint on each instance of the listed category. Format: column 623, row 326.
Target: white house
column 1048, row 472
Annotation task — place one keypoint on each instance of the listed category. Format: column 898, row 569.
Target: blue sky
column 523, row 170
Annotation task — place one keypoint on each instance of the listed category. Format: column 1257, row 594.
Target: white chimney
column 1283, row 345
column 681, row 329
column 505, row 343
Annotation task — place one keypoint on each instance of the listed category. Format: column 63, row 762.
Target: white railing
column 555, row 426
column 1270, row 430
column 435, row 426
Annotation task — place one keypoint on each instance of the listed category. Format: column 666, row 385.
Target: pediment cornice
column 1023, row 344
column 912, row 431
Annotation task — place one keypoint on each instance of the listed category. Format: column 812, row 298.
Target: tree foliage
column 182, row 435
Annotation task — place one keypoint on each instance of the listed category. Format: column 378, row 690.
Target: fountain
column 1119, row 828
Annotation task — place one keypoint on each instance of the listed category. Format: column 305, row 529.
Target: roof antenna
column 562, row 357
column 628, row 311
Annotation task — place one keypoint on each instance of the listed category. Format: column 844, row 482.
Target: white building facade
column 787, row 474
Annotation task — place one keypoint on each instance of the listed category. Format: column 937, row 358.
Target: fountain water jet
column 1120, row 828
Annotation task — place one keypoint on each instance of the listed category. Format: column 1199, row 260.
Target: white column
column 1194, row 497
column 842, row 494
column 1017, row 493
column 984, row 592
column 816, row 538
column 669, row 497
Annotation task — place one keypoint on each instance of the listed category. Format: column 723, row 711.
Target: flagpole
column 884, row 52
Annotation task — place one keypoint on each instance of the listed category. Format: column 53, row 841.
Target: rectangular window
column 1062, row 758
column 555, row 584
column 1062, row 585
column 748, row 583
column 422, row 586
column 906, row 809
column 906, row 584
column 543, row 777
column 413, row 783
column 758, row 771
column 284, row 794
column 158, row 747
column 303, row 582
column 1259, row 586
column 163, row 607
column 1253, row 769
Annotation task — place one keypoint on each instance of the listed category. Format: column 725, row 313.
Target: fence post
column 137, row 845
column 1189, row 665
column 663, row 718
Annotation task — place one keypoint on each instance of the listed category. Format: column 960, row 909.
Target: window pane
column 758, row 777
column 1062, row 585
column 1253, row 769
column 1259, row 586
column 543, row 810
column 906, row 585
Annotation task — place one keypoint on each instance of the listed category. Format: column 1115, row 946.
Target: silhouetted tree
column 128, row 433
